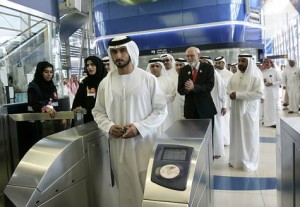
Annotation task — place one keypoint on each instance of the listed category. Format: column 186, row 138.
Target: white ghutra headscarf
column 132, row 49
column 159, row 61
column 251, row 74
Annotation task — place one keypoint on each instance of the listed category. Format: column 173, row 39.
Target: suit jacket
column 198, row 102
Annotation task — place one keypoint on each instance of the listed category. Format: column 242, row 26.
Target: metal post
column 81, row 51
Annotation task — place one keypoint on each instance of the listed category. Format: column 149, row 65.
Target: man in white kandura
column 170, row 66
column 220, row 65
column 245, row 89
column 233, row 68
column 105, row 61
column 156, row 67
column 170, row 72
column 179, row 99
column 291, row 83
column 129, row 107
column 272, row 81
column 218, row 94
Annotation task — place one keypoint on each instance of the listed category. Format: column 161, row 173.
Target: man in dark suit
column 196, row 81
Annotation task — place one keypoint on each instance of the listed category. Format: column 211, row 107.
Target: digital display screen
column 176, row 154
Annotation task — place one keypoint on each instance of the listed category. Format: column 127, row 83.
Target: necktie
column 194, row 74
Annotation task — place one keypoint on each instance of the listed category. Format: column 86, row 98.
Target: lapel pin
column 189, row 72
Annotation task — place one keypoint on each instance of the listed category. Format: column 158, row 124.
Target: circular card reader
column 171, row 166
column 169, row 171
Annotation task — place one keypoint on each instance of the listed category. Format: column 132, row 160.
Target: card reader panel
column 171, row 166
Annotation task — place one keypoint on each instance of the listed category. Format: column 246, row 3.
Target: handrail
column 31, row 27
column 42, row 116
column 23, row 32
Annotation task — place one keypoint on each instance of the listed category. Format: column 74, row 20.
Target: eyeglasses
column 166, row 60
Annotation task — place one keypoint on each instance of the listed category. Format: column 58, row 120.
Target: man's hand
column 268, row 84
column 223, row 111
column 50, row 111
column 233, row 95
column 131, row 131
column 189, row 85
column 117, row 131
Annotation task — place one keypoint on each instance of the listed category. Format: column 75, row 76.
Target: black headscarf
column 92, row 81
column 47, row 86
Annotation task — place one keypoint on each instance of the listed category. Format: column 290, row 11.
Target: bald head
column 193, row 49
column 192, row 55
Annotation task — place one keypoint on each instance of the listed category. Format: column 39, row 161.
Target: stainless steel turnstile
column 72, row 168
column 69, row 168
column 288, row 162
column 13, row 146
column 179, row 172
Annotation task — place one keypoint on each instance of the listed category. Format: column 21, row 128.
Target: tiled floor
column 259, row 186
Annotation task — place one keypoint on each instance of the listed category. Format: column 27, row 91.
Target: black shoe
column 273, row 126
column 290, row 112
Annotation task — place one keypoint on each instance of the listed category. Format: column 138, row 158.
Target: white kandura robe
column 244, row 121
column 169, row 89
column 171, row 73
column 172, row 106
column 123, row 99
column 218, row 94
column 178, row 105
column 226, row 76
column 291, row 79
column 271, row 96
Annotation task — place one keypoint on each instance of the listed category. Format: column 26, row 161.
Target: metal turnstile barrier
column 27, row 128
column 9, row 158
column 72, row 168
column 69, row 168
column 179, row 172
column 6, row 168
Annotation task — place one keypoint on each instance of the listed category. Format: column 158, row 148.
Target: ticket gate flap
column 25, row 196
column 56, row 166
column 52, row 156
column 170, row 174
column 47, row 157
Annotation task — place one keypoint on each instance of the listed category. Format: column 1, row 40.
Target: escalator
column 24, row 43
